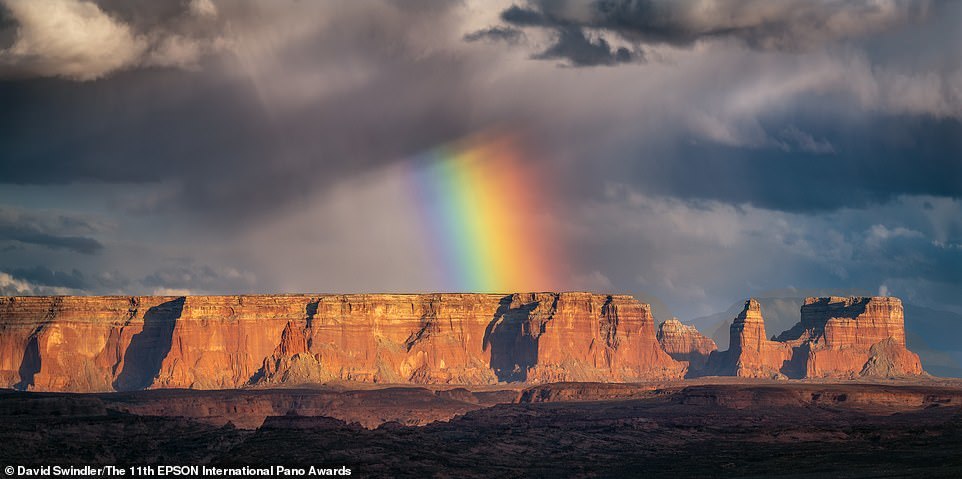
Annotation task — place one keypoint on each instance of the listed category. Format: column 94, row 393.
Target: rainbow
column 481, row 213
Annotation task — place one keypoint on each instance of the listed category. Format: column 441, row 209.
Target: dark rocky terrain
column 720, row 427
column 468, row 385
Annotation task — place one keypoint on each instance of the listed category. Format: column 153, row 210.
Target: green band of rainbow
column 478, row 206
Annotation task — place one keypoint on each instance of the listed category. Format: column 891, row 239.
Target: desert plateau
column 469, row 385
column 481, row 238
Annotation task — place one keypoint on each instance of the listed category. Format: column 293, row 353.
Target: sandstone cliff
column 217, row 342
column 835, row 338
column 213, row 342
column 83, row 343
column 470, row 339
column 750, row 353
column 684, row 343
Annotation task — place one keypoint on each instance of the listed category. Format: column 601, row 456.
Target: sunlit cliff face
column 126, row 343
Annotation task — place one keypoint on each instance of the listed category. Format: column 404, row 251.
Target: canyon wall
column 124, row 343
column 684, row 343
column 111, row 343
column 836, row 337
column 76, row 343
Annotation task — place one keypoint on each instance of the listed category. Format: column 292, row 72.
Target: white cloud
column 69, row 38
column 11, row 286
column 920, row 92
column 203, row 8
column 78, row 40
column 878, row 234
column 180, row 51
column 171, row 292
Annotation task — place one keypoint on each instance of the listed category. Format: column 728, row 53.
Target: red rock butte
column 684, row 343
column 835, row 338
column 122, row 343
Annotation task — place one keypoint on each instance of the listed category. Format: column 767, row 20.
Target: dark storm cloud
column 785, row 25
column 78, row 244
column 570, row 42
column 199, row 278
column 42, row 276
column 47, row 233
column 853, row 164
column 8, row 28
column 525, row 17
column 181, row 277
column 504, row 34
column 227, row 136
column 262, row 141
column 688, row 251
column 134, row 127
column 230, row 153
column 899, row 252
column 580, row 51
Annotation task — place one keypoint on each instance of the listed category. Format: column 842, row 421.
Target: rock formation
column 215, row 342
column 750, row 353
column 75, row 343
column 835, row 338
column 470, row 339
column 684, row 343
column 69, row 343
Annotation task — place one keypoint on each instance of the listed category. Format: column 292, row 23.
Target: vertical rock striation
column 76, row 343
column 214, row 342
column 219, row 342
column 108, row 343
column 684, row 343
column 470, row 339
column 750, row 353
column 835, row 338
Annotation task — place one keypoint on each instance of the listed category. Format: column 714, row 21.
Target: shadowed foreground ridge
column 729, row 427
column 94, row 344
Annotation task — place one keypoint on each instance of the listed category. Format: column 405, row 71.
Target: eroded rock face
column 835, row 338
column 84, row 343
column 220, row 342
column 751, row 354
column 684, row 343
column 223, row 342
column 217, row 342
column 470, row 339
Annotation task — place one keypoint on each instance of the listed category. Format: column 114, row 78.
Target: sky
column 697, row 152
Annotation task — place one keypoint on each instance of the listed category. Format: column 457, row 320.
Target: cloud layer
column 79, row 40
column 703, row 149
column 787, row 25
column 60, row 232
